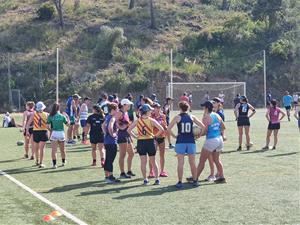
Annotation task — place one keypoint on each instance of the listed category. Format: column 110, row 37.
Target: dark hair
column 55, row 109
column 274, row 103
column 112, row 106
column 30, row 104
column 209, row 109
column 98, row 109
column 104, row 96
column 184, row 106
column 148, row 101
column 129, row 97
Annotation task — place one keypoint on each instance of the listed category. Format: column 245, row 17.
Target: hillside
column 104, row 46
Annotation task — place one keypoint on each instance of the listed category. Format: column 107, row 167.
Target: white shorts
column 214, row 144
column 57, row 136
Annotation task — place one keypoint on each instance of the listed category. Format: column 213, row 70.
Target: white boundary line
column 43, row 199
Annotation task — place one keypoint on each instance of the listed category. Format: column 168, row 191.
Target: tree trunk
column 225, row 5
column 76, row 4
column 152, row 22
column 59, row 7
column 131, row 4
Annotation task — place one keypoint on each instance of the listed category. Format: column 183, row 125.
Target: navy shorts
column 274, row 126
column 160, row 140
column 146, row 147
column 243, row 121
column 96, row 138
column 83, row 123
column 40, row 136
column 287, row 107
column 30, row 131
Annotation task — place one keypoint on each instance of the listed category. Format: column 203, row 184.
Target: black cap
column 87, row 98
column 216, row 99
column 208, row 104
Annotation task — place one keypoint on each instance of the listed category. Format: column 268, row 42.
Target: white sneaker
column 63, row 164
column 42, row 166
column 54, row 167
column 210, row 178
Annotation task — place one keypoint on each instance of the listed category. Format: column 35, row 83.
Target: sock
column 63, row 160
column 83, row 136
column 94, row 160
column 54, row 162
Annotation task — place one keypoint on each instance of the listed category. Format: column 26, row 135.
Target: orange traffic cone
column 48, row 218
column 55, row 213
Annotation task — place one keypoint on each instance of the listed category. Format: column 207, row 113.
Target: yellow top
column 145, row 129
column 40, row 121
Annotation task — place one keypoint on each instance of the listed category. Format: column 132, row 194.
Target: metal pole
column 265, row 78
column 9, row 84
column 19, row 100
column 171, row 78
column 57, row 74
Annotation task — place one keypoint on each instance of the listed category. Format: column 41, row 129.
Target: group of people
column 114, row 124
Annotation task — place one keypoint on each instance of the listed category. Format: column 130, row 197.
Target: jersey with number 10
column 185, row 129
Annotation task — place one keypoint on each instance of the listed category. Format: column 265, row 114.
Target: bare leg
column 36, row 151
column 130, row 152
column 269, row 132
column 162, row 156
column 154, row 164
column 32, row 146
column 122, row 155
column 240, row 135
column 203, row 157
column 54, row 149
column 211, row 165
column 62, row 150
column 216, row 158
column 144, row 165
column 180, row 164
column 26, row 146
column 275, row 137
column 101, row 150
column 42, row 149
column 193, row 166
column 247, row 133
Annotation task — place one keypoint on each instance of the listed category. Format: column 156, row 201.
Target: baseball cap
column 146, row 108
column 40, row 106
column 111, row 98
column 156, row 105
column 208, row 104
column 76, row 96
column 87, row 98
column 216, row 99
column 126, row 101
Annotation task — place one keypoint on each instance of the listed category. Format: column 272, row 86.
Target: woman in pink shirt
column 272, row 116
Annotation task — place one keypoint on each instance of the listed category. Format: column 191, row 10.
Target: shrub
column 46, row 12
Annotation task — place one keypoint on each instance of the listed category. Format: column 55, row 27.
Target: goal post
column 201, row 91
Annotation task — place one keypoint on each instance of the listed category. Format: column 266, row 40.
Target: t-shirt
column 295, row 98
column 6, row 121
column 287, row 100
column 184, row 98
column 95, row 121
column 104, row 107
column 57, row 122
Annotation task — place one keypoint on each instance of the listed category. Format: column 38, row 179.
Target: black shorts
column 146, row 147
column 96, row 138
column 274, row 126
column 243, row 121
column 30, row 131
column 123, row 139
column 287, row 107
column 295, row 103
column 160, row 140
column 40, row 136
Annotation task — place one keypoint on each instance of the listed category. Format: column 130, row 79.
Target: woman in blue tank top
column 185, row 141
column 110, row 142
column 214, row 129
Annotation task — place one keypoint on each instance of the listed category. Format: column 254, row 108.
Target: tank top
column 214, row 129
column 124, row 120
column 29, row 114
column 274, row 115
column 161, row 119
column 243, row 110
column 108, row 139
column 40, row 121
column 84, row 112
column 185, row 129
column 145, row 129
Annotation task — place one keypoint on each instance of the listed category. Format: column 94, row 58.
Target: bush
column 138, row 84
column 132, row 63
column 46, row 12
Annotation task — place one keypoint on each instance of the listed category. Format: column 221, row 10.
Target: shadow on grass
column 75, row 186
column 256, row 151
column 228, row 152
column 69, row 169
column 160, row 191
column 283, row 154
column 79, row 150
column 11, row 160
column 29, row 169
column 83, row 147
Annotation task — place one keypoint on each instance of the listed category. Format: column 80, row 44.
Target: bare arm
column 174, row 121
column 252, row 109
column 130, row 129
column 268, row 115
column 24, row 121
column 158, row 126
column 236, row 111
column 111, row 127
column 282, row 114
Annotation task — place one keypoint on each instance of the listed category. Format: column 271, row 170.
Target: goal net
column 16, row 100
column 207, row 90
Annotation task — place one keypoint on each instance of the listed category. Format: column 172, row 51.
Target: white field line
column 43, row 199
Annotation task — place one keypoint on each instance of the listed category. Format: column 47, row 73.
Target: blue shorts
column 83, row 123
column 299, row 123
column 185, row 148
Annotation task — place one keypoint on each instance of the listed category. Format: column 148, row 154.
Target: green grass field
column 262, row 186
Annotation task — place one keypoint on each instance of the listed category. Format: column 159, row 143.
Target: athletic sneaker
column 157, row 182
column 171, row 146
column 42, row 166
column 71, row 142
column 37, row 163
column 239, row 148
column 210, row 178
column 78, row 138
column 248, row 147
column 163, row 174
column 265, row 148
column 26, row 156
column 151, row 174
column 220, row 180
column 130, row 173
column 31, row 158
column 112, row 180
column 124, row 176
column 196, row 183
column 94, row 163
column 54, row 167
column 84, row 142
column 179, row 185
column 146, row 182
column 64, row 163
column 274, row 148
column 189, row 179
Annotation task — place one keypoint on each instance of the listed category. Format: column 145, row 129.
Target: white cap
column 125, row 101
column 40, row 106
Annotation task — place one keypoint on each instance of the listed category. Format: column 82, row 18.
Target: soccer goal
column 206, row 90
